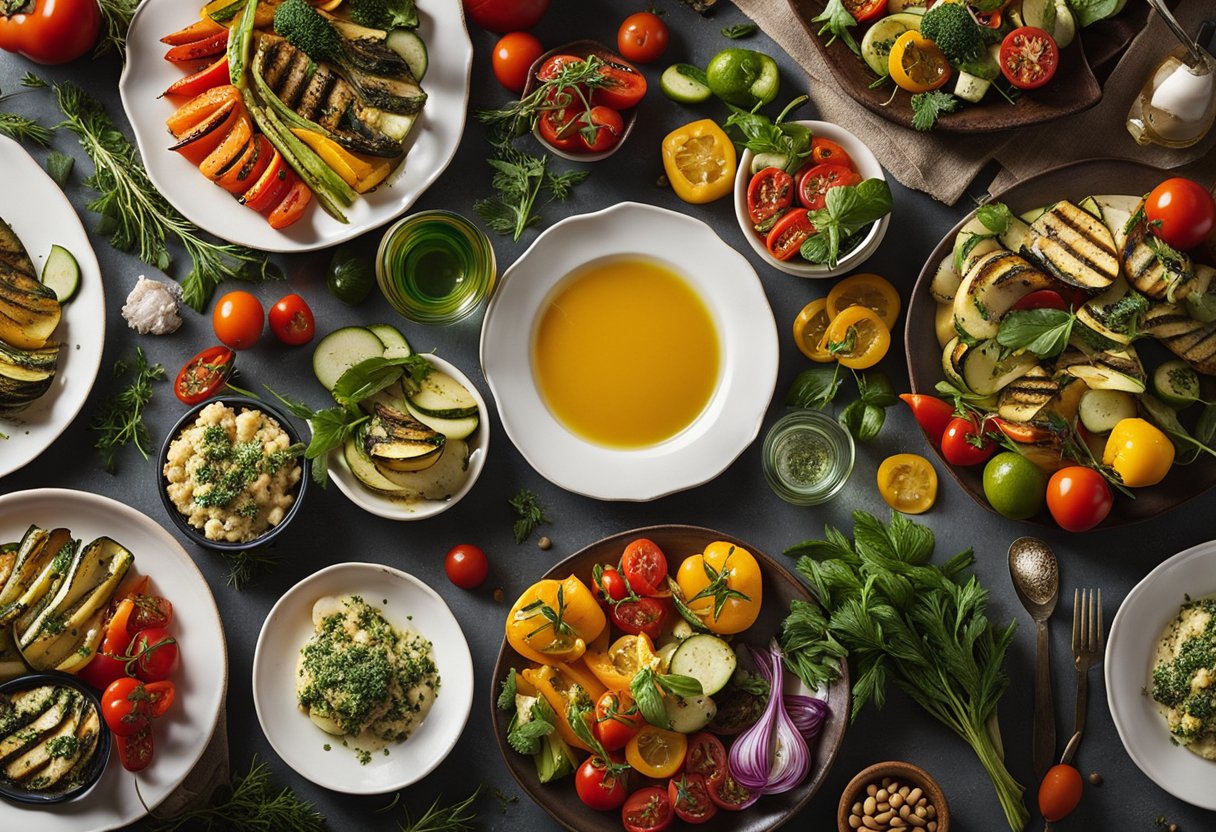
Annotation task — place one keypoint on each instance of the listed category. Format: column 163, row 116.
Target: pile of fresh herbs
column 250, row 803
column 816, row 387
column 848, row 212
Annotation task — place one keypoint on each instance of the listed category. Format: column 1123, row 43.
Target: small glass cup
column 807, row 457
column 435, row 267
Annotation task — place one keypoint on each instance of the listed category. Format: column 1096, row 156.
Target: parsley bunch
column 519, row 178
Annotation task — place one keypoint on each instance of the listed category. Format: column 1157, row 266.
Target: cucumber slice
column 685, row 83
column 768, row 160
column 390, row 336
column 986, row 370
column 1101, row 410
column 459, row 428
column 411, row 47
column 61, row 273
column 342, row 349
column 443, row 396
column 876, row 45
column 706, row 658
column 691, row 714
column 1176, row 383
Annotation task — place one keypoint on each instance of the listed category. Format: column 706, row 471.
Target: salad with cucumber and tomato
column 951, row 52
column 632, row 685
column 1080, row 339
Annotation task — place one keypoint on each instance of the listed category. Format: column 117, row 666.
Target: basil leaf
column 741, row 30
column 995, row 216
column 681, row 686
column 817, row 247
column 861, row 204
column 59, row 167
column 1091, row 11
column 370, row 376
column 863, row 420
column 875, row 388
column 649, row 701
column 814, row 387
column 1044, row 332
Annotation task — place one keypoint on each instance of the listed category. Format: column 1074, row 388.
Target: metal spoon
column 1176, row 29
column 1036, row 577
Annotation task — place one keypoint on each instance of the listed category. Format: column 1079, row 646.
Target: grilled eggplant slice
column 1156, row 270
column 1116, row 313
column 399, row 442
column 1023, row 398
column 991, row 286
column 29, row 310
column 1074, row 246
column 12, row 252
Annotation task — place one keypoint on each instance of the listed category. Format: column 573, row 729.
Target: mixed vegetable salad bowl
column 563, row 797
column 1140, row 390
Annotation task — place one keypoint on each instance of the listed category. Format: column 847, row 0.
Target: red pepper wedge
column 209, row 76
column 207, row 47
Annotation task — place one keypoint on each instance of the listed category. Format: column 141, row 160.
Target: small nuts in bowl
column 893, row 796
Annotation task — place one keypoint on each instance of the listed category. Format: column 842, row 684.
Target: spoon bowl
column 1036, row 576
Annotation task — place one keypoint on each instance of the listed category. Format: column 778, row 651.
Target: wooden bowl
column 906, row 774
column 780, row 588
column 1074, row 182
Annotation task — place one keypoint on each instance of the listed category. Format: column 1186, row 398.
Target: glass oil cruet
column 1177, row 105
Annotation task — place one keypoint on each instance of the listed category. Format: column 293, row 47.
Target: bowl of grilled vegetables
column 1060, row 321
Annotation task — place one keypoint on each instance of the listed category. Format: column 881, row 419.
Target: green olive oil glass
column 807, row 457
column 435, row 267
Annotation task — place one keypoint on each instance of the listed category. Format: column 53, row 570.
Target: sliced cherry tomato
column 814, row 183
column 728, row 794
column 964, row 444
column 706, row 756
column 645, row 567
column 827, row 152
column 125, row 706
column 610, row 584
column 238, row 319
column 916, row 64
column 1029, row 57
column 604, row 130
column 1181, row 212
column 858, row 338
column 863, row 10
column 160, row 697
column 466, row 565
column 643, row 615
column 102, row 670
column 643, row 37
column 626, row 87
column 291, row 321
column 788, row 235
column 597, row 787
column 291, row 207
column 771, row 190
column 150, row 611
column 135, row 751
column 559, row 128
column 514, row 55
column 552, row 66
column 1079, row 498
column 1042, row 299
column 809, row 328
column 211, row 76
column 647, row 810
column 931, row 413
column 617, row 719
column 690, row 798
column 204, row 375
column 153, row 653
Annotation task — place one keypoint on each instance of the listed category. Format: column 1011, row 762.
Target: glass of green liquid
column 807, row 457
column 435, row 267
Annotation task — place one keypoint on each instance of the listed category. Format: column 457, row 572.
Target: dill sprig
column 23, row 128
column 252, row 805
column 115, row 20
column 120, row 420
column 458, row 817
column 137, row 217
column 245, row 566
column 530, row 514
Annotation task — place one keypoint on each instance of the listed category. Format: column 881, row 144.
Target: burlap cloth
column 943, row 165
column 211, row 772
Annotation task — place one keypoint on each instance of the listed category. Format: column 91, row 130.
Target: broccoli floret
column 952, row 28
column 307, row 31
column 385, row 14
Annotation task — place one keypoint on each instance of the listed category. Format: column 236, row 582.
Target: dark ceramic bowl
column 196, row 535
column 780, row 588
column 101, row 756
column 906, row 774
column 1073, row 182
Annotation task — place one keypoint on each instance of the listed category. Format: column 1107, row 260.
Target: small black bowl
column 196, row 535
column 101, row 756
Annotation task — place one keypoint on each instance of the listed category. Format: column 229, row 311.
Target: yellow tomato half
column 916, row 64
column 656, row 753
column 809, row 328
column 868, row 290
column 722, row 585
column 858, row 338
column 908, row 483
column 1140, row 453
column 700, row 161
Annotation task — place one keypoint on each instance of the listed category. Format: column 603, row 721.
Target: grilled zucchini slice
column 1105, row 370
column 1023, row 399
column 1157, row 271
column 990, row 288
column 1075, row 247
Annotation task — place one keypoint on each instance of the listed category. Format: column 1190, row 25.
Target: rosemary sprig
column 120, row 420
column 458, row 817
column 115, row 20
column 252, row 806
column 23, row 128
column 530, row 514
column 571, row 81
column 245, row 566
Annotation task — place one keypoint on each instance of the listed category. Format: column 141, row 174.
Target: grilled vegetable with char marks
column 991, row 286
column 48, row 737
column 12, row 252
column 1075, row 246
column 1022, row 399
column 29, row 310
column 400, row 442
column 1153, row 267
column 1114, row 369
column 1115, row 314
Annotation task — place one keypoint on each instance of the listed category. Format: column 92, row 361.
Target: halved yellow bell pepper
column 700, row 162
column 555, row 687
column 553, row 621
column 616, row 665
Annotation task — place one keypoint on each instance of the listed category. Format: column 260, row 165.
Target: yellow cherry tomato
column 868, row 290
column 700, row 162
column 908, row 483
column 722, row 585
column 616, row 665
column 656, row 753
column 916, row 64
column 809, row 329
column 1140, row 453
column 553, row 621
column 858, row 338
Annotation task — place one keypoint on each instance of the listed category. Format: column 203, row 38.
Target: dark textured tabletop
column 738, row 502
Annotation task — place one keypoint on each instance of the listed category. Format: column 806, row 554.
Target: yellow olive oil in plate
column 625, row 353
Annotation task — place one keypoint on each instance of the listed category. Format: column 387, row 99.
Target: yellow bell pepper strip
column 722, row 586
column 555, row 688
column 1140, row 453
column 700, row 161
column 578, row 673
column 525, row 687
column 616, row 666
column 553, row 621
column 916, row 64
column 344, row 163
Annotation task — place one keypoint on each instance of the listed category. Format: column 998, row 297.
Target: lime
column 1014, row 485
column 743, row 77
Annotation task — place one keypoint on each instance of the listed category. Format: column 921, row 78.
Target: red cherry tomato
column 160, row 697
column 291, row 321
column 1029, row 57
column 771, row 190
column 150, row 611
column 135, row 751
column 963, row 444
column 204, row 375
column 643, row 615
column 1079, row 498
column 690, row 798
column 155, row 654
column 505, row 15
column 814, row 184
column 706, row 756
column 466, row 565
column 125, row 706
column 610, row 585
column 1042, row 299
column 931, row 413
column 642, row 37
column 559, row 128
column 617, row 719
column 514, row 55
column 626, row 86
column 552, row 65
column 645, row 567
column 827, row 152
column 728, row 794
column 102, row 670
column 1060, row 792
column 238, row 319
column 605, row 130
column 863, row 10
column 788, row 235
column 52, row 31
column 1181, row 212
column 597, row 788
column 647, row 810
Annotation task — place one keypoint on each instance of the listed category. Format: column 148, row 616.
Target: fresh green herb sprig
column 928, row 107
column 645, row 688
column 808, row 648
column 59, row 167
column 529, row 514
column 837, row 20
column 570, row 85
column 455, row 817
column 764, row 135
column 519, row 178
column 739, row 30
column 848, row 209
column 23, row 128
column 1044, row 332
column 115, row 21
column 250, row 803
column 245, row 566
column 120, row 420
column 816, row 388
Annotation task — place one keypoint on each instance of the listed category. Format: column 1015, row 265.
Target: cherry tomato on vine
column 238, row 319
column 291, row 321
column 596, row 787
column 1079, row 498
column 645, row 567
column 155, row 653
column 617, row 719
column 514, row 55
column 931, row 413
column 204, row 375
column 1181, row 212
column 963, row 444
column 607, row 126
column 102, row 670
column 642, row 37
column 466, row 565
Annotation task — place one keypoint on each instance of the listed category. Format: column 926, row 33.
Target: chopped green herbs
column 529, row 514
column 120, row 420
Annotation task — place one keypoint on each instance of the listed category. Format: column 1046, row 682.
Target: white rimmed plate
column 384, row 506
column 301, row 744
column 201, row 678
column 722, row 278
column 1146, row 611
column 869, row 168
column 42, row 216
column 431, row 143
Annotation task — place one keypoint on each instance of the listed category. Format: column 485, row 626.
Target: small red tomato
column 505, row 15
column 238, row 320
column 135, row 752
column 863, row 10
column 963, row 444
column 1060, row 792
column 604, row 131
column 150, row 611
column 645, row 567
column 102, row 670
column 1029, row 57
column 642, row 37
column 1078, row 498
column 769, row 191
column 1042, row 299
column 786, row 237
column 814, row 184
column 155, row 653
column 647, row 810
column 559, row 128
column 204, row 375
column 644, row 615
column 690, row 797
column 467, row 566
column 291, row 321
column 610, row 585
column 626, row 86
column 931, row 413
column 1181, row 212
column 597, row 788
column 514, row 55
column 124, row 706
column 617, row 719
column 827, row 152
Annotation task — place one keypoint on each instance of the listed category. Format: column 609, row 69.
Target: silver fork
column 1088, row 648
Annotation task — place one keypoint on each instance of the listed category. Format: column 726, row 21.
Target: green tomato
column 1014, row 486
column 743, row 77
column 350, row 276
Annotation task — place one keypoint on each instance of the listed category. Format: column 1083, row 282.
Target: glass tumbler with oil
column 435, row 267
column 807, row 457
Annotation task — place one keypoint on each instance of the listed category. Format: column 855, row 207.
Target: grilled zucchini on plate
column 1101, row 256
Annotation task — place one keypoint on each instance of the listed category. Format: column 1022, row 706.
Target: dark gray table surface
column 738, row 502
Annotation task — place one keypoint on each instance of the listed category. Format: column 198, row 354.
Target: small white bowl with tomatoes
column 832, row 145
